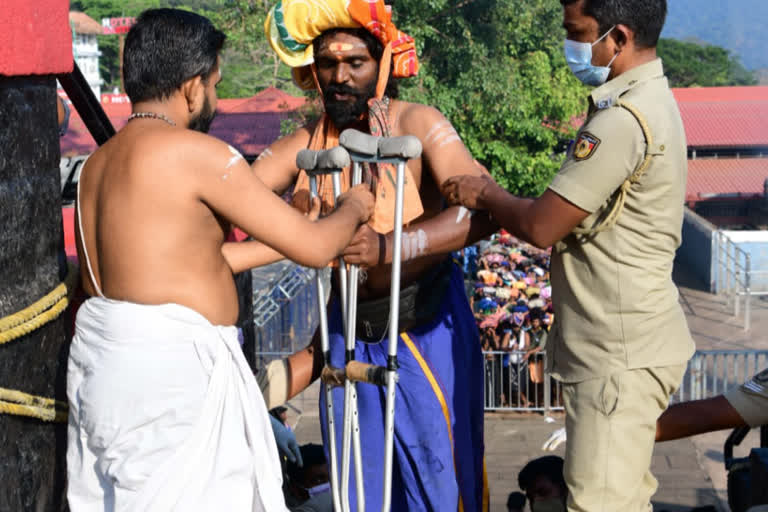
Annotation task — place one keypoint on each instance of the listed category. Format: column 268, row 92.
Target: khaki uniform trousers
column 611, row 428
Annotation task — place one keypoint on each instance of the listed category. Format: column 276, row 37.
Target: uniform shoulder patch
column 758, row 383
column 585, row 146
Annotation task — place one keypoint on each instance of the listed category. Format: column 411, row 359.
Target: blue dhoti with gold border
column 438, row 444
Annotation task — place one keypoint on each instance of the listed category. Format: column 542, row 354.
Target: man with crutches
column 365, row 149
column 437, row 455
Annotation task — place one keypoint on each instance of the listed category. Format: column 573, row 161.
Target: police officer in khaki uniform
column 614, row 215
column 738, row 407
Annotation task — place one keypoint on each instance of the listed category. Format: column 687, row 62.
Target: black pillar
column 32, row 452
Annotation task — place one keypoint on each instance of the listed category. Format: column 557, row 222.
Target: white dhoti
column 165, row 415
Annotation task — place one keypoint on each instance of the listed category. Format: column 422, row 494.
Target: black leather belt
column 420, row 302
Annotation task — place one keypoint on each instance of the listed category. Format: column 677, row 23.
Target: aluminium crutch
column 317, row 163
column 391, row 150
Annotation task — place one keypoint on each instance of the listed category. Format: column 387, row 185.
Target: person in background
column 307, row 487
column 544, row 485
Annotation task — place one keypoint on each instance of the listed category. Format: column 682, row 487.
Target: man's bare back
column 156, row 204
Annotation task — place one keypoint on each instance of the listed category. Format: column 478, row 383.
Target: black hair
column 277, row 411
column 550, row 466
column 375, row 48
column 312, row 455
column 644, row 17
column 164, row 49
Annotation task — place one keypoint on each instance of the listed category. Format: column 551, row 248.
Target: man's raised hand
column 468, row 191
column 359, row 198
column 366, row 248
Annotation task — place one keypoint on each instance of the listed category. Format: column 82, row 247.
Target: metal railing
column 735, row 276
column 711, row 372
column 285, row 314
column 513, row 383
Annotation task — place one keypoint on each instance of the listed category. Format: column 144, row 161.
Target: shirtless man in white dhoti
column 164, row 411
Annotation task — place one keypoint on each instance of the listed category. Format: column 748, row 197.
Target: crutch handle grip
column 359, row 142
column 406, row 147
column 306, row 159
column 323, row 161
column 333, row 376
column 363, row 372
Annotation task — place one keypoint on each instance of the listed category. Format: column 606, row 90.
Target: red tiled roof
column 723, row 117
column 248, row 124
column 707, row 177
column 84, row 24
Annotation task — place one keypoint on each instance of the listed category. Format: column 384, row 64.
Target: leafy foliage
column 688, row 64
column 495, row 69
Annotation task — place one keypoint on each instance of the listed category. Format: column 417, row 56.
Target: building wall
column 696, row 250
column 86, row 50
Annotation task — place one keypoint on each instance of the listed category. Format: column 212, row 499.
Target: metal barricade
column 514, row 383
column 736, row 277
column 711, row 372
column 284, row 312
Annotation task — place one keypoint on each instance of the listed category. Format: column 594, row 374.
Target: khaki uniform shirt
column 751, row 400
column 616, row 307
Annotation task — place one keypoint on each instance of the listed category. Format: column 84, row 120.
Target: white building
column 86, row 48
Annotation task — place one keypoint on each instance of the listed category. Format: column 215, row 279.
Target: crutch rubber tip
column 359, row 142
column 333, row 376
column 406, row 147
column 369, row 373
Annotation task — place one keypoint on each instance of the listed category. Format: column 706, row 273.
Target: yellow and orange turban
column 292, row 25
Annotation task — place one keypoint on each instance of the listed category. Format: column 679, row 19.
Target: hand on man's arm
column 450, row 230
column 541, row 222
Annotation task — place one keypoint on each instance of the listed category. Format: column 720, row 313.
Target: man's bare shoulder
column 170, row 155
column 417, row 119
column 293, row 142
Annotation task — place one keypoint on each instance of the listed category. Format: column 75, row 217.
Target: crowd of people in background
column 511, row 297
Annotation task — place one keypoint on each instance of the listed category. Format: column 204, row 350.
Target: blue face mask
column 579, row 58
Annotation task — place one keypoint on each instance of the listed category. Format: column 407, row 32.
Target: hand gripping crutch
column 317, row 163
column 393, row 150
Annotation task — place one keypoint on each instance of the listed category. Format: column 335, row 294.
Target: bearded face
column 345, row 104
column 347, row 74
column 202, row 123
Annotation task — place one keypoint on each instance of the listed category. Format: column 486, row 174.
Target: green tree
column 495, row 68
column 688, row 64
column 250, row 65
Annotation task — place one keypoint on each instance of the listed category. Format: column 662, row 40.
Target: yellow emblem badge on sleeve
column 585, row 146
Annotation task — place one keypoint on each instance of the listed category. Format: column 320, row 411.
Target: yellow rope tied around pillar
column 22, row 404
column 22, row 323
column 40, row 313
column 610, row 219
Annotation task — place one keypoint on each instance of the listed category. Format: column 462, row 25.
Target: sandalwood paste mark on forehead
column 337, row 47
